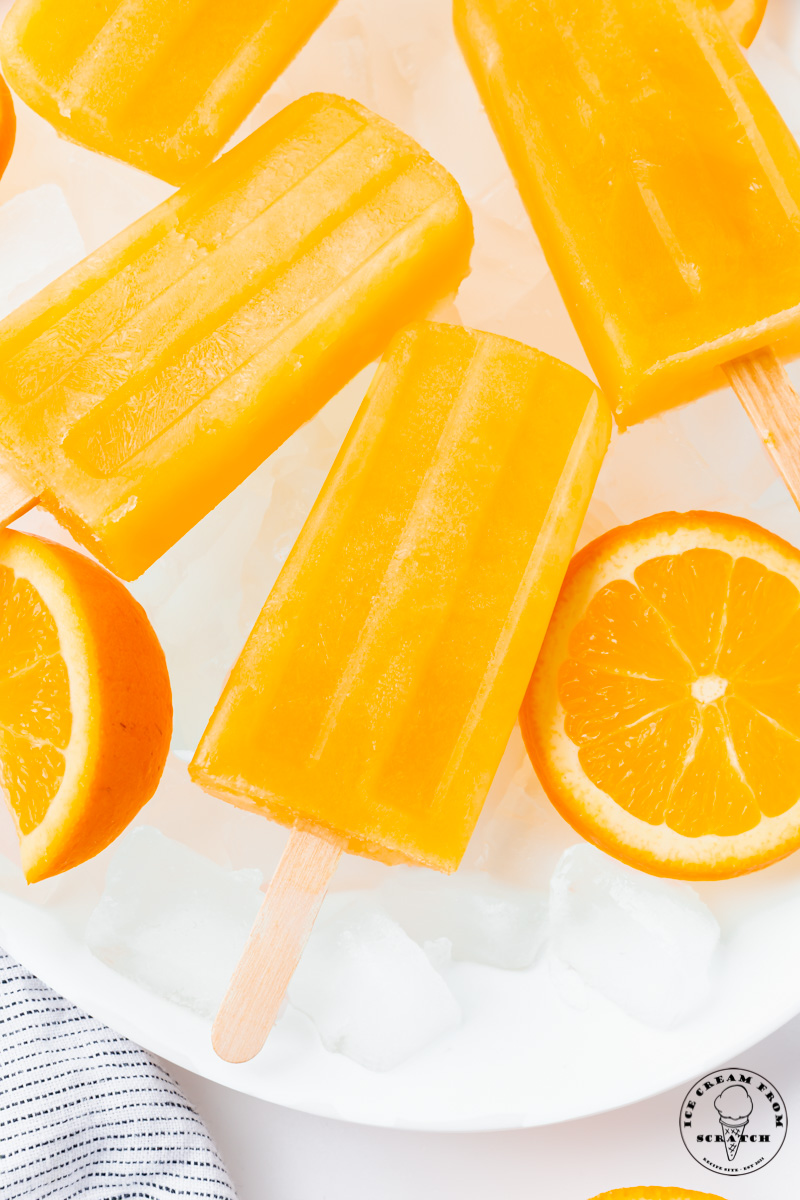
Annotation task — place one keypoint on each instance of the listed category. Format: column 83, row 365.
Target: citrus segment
column 769, row 756
column 85, row 706
column 35, row 716
column 676, row 586
column 761, row 605
column 663, row 717
column 625, row 634
column 710, row 794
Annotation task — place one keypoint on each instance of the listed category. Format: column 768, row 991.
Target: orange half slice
column 85, row 703
column 663, row 716
column 655, row 1193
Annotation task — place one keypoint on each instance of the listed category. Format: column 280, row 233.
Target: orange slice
column 85, row 703
column 663, row 716
column 8, row 125
column 655, row 1193
column 743, row 17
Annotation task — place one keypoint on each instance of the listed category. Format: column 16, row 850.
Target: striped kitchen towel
column 87, row 1114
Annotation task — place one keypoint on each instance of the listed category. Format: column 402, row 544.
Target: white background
column 275, row 1154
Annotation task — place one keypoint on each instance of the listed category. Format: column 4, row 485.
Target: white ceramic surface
column 276, row 1154
column 517, row 1058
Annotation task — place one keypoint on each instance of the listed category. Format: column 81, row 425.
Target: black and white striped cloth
column 86, row 1114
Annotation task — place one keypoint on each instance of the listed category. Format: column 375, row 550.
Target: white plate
column 525, row 1054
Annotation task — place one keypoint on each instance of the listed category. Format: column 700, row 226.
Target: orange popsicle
column 160, row 84
column 665, row 190
column 140, row 388
column 376, row 693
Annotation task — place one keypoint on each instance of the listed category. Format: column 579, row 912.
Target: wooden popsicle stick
column 15, row 499
column 280, row 932
column 769, row 399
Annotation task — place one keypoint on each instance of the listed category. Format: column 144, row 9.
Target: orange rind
column 743, row 17
column 8, row 125
column 656, row 1193
column 85, row 703
column 663, row 716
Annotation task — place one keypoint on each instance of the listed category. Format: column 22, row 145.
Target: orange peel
column 743, row 17
column 662, row 717
column 85, row 703
column 656, row 1193
column 8, row 125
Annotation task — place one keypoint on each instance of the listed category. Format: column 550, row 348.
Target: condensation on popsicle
column 375, row 696
column 139, row 389
column 160, row 84
column 661, row 180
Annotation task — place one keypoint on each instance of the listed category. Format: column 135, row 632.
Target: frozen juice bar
column 161, row 84
column 661, row 180
column 140, row 388
column 375, row 695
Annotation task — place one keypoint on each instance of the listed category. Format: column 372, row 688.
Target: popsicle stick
column 769, row 399
column 276, row 942
column 15, row 499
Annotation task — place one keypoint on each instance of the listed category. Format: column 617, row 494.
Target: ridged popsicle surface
column 377, row 691
column 161, row 84
column 146, row 383
column 661, row 180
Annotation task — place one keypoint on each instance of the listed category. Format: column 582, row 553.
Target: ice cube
column 205, row 593
column 774, row 67
column 172, row 920
column 39, row 239
column 519, row 837
column 782, row 25
column 372, row 993
column 192, row 597
column 484, row 920
column 647, row 944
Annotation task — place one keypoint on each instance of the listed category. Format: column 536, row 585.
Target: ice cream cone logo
column 733, row 1121
column 734, row 1105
